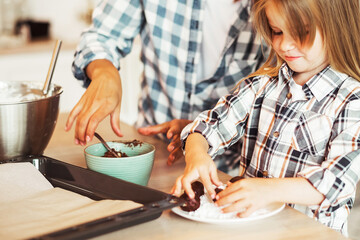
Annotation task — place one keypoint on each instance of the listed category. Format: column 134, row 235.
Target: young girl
column 298, row 116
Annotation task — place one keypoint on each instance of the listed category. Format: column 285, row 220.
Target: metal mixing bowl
column 26, row 126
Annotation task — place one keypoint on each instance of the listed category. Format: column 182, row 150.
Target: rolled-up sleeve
column 224, row 125
column 337, row 176
column 115, row 25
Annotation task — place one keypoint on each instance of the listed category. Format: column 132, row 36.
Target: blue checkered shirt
column 170, row 36
column 317, row 137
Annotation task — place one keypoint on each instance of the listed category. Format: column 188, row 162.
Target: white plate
column 229, row 217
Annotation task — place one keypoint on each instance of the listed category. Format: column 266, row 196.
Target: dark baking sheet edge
column 149, row 211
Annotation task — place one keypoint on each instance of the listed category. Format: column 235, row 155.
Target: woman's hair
column 337, row 21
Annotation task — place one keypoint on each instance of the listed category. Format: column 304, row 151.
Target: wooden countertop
column 288, row 224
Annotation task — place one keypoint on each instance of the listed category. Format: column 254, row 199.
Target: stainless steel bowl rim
column 56, row 89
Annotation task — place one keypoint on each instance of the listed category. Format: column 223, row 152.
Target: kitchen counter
column 46, row 45
column 288, row 224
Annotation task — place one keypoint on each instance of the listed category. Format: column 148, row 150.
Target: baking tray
column 99, row 186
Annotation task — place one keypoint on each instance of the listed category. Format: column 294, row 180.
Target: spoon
column 43, row 92
column 52, row 67
column 112, row 151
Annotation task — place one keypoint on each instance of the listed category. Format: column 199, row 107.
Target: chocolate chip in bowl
column 119, row 153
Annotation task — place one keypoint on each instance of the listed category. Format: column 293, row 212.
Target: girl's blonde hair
column 337, row 21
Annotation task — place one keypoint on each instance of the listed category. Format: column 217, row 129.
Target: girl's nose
column 287, row 43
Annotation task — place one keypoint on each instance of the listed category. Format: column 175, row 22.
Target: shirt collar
column 319, row 85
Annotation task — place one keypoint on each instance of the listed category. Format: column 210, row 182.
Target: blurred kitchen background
column 28, row 30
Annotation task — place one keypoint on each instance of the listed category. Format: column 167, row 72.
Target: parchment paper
column 20, row 180
column 46, row 209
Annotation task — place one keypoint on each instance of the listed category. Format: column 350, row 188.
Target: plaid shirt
column 317, row 138
column 170, row 33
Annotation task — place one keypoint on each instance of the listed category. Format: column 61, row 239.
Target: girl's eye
column 276, row 32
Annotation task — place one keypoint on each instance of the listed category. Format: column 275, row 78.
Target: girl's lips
column 291, row 58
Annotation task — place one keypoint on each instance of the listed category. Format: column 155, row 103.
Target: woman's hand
column 102, row 98
column 198, row 165
column 172, row 129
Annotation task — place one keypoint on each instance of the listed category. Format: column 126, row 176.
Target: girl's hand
column 246, row 196
column 198, row 165
column 172, row 129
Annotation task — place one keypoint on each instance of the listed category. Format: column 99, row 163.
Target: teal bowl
column 136, row 167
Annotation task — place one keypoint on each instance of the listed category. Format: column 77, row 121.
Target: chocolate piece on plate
column 198, row 188
column 190, row 204
column 217, row 190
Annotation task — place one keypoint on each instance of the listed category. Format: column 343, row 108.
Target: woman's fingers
column 175, row 155
column 175, row 149
column 155, row 129
column 101, row 98
column 175, row 143
column 95, row 119
column 115, row 122
column 81, row 125
column 72, row 117
column 176, row 126
column 93, row 111
column 171, row 128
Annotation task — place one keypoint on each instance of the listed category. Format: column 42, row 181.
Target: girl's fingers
column 176, row 189
column 237, row 206
column 214, row 177
column 205, row 178
column 247, row 212
column 230, row 189
column 230, row 195
column 186, row 183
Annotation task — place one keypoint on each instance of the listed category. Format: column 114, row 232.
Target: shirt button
column 289, row 95
column 276, row 134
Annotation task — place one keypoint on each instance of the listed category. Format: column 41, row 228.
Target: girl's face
column 304, row 60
